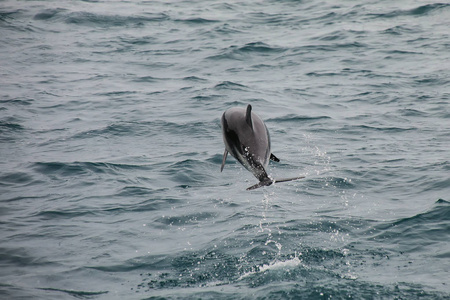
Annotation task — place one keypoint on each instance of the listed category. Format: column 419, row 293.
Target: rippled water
column 111, row 146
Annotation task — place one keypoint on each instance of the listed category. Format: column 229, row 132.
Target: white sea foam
column 276, row 265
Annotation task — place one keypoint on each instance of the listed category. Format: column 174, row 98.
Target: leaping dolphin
column 247, row 139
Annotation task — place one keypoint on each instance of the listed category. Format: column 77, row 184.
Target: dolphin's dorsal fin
column 248, row 116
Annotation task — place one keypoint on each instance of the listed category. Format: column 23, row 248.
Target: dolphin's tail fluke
column 269, row 181
column 260, row 184
column 288, row 179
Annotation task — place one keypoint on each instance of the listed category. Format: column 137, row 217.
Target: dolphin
column 247, row 139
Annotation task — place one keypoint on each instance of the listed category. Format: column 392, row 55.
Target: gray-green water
column 110, row 183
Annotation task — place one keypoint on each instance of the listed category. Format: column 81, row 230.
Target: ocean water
column 111, row 146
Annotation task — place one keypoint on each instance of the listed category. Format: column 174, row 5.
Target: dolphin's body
column 247, row 139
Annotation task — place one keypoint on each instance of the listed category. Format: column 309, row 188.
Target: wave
column 16, row 179
column 185, row 220
column 310, row 274
column 195, row 79
column 76, row 294
column 355, row 129
column 338, row 35
column 84, row 18
column 422, row 10
column 48, row 14
column 325, row 47
column 114, row 129
column 296, row 118
column 6, row 126
column 151, row 203
column 400, row 30
column 249, row 49
column 147, row 129
column 188, row 172
column 67, row 169
column 9, row 21
column 258, row 47
column 18, row 101
column 419, row 232
column 229, row 85
column 64, row 214
column 196, row 21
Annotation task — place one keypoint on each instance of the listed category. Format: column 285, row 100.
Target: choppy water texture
column 111, row 147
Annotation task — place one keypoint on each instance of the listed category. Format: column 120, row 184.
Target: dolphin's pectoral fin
column 224, row 159
column 266, row 182
column 274, row 158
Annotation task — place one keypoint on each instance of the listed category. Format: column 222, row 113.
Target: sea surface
column 111, row 146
